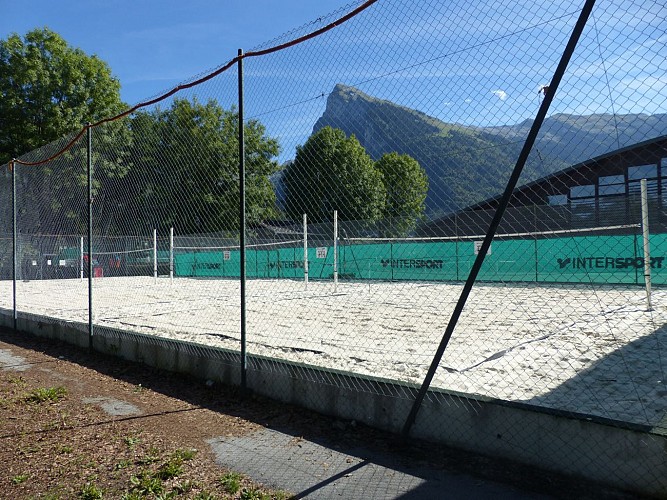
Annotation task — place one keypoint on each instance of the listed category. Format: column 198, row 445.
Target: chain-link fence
column 377, row 151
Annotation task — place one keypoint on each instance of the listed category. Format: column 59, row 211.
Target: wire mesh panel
column 6, row 241
column 399, row 121
column 164, row 175
column 51, row 217
column 579, row 359
column 377, row 148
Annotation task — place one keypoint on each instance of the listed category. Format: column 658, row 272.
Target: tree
column 49, row 89
column 406, row 184
column 186, row 169
column 333, row 172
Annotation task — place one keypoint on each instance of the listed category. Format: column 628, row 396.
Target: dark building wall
column 575, row 198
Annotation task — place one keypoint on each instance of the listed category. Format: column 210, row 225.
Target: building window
column 611, row 185
column 582, row 191
column 643, row 172
column 558, row 199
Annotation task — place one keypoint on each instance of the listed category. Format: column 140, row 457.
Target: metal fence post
column 502, row 205
column 305, row 251
column 242, row 222
column 12, row 165
column 81, row 259
column 154, row 255
column 647, row 247
column 90, row 233
column 335, row 249
column 171, row 254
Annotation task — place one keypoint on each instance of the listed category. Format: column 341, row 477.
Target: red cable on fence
column 203, row 79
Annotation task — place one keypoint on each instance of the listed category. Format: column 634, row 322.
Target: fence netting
column 376, row 155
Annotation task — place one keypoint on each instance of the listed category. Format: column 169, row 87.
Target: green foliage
column 20, row 478
column 254, row 494
column 333, row 172
column 131, row 441
column 183, row 487
column 49, row 89
column 146, row 484
column 187, row 169
column 91, row 492
column 406, row 185
column 184, row 455
column 204, row 495
column 46, row 394
column 172, row 468
column 465, row 165
column 123, row 464
column 231, row 482
column 151, row 457
column 161, row 168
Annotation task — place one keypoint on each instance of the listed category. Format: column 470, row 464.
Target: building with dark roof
column 599, row 192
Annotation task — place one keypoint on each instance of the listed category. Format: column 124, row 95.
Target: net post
column 242, row 226
column 305, row 252
column 647, row 249
column 171, row 254
column 335, row 249
column 90, row 232
column 155, row 255
column 81, row 259
column 12, row 165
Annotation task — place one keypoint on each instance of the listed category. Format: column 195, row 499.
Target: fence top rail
column 236, row 247
column 497, row 236
column 183, row 86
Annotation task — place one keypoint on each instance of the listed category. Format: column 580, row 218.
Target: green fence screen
column 583, row 259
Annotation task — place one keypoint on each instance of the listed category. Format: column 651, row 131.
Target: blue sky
column 152, row 45
column 463, row 61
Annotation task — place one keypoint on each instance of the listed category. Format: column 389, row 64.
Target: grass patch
column 151, row 457
column 46, row 395
column 204, row 495
column 131, row 442
column 91, row 492
column 231, row 482
column 20, row 381
column 184, row 455
column 145, row 484
column 123, row 464
column 254, row 494
column 20, row 478
column 169, row 470
column 184, row 487
column 65, row 449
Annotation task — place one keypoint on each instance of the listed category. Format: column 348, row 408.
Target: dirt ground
column 76, row 424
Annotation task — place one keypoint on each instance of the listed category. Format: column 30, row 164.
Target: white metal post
column 155, row 255
column 335, row 251
column 171, row 254
column 305, row 252
column 647, row 249
column 81, row 260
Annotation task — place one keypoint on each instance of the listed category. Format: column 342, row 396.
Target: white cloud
column 500, row 94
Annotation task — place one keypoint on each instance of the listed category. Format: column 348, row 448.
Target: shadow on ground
column 627, row 385
column 315, row 456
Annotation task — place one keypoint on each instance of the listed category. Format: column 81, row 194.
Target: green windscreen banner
column 580, row 259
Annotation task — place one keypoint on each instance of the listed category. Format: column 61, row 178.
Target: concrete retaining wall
column 615, row 453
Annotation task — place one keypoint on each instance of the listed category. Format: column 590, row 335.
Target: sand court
column 594, row 350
